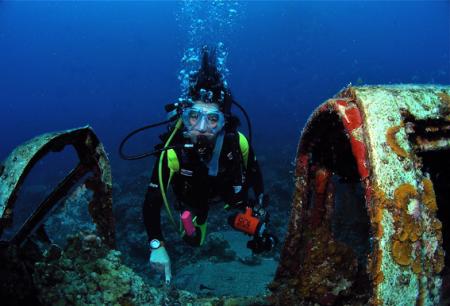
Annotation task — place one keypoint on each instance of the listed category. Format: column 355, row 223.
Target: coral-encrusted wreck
column 92, row 158
column 370, row 219
column 18, row 253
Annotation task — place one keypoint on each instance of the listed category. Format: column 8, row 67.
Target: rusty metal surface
column 385, row 127
column 92, row 158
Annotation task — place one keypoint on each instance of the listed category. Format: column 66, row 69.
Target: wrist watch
column 155, row 244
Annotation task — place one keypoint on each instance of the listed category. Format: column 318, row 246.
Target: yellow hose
column 161, row 185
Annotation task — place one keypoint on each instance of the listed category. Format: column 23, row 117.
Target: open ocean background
column 114, row 65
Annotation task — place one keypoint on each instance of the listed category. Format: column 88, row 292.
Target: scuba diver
column 204, row 158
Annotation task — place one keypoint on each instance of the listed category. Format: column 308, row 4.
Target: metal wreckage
column 369, row 222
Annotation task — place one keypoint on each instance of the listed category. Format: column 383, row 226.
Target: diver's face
column 204, row 116
column 203, row 119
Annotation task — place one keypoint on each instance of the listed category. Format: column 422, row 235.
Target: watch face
column 155, row 243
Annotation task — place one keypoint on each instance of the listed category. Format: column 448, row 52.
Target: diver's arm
column 254, row 175
column 159, row 259
column 153, row 203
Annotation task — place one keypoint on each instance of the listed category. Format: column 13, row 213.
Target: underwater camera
column 251, row 223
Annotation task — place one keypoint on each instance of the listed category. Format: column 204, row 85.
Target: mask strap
column 213, row 166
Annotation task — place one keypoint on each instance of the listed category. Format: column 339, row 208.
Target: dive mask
column 205, row 119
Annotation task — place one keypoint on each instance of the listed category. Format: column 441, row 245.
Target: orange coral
column 417, row 266
column 378, row 215
column 429, row 197
column 379, row 257
column 445, row 106
column 444, row 97
column 379, row 278
column 392, row 141
column 376, row 211
column 437, row 225
column 408, row 228
column 375, row 301
column 439, row 236
column 374, row 266
column 414, row 229
column 379, row 232
column 422, row 295
column 439, row 262
column 415, row 234
column 403, row 235
column 381, row 200
column 403, row 194
column 401, row 251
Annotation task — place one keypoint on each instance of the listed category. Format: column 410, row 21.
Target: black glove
column 260, row 207
column 264, row 243
column 237, row 200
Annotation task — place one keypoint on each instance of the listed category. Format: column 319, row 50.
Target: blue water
column 114, row 65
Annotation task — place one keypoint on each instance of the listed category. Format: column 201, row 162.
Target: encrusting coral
column 429, row 197
column 401, row 251
column 392, row 141
column 403, row 194
column 88, row 273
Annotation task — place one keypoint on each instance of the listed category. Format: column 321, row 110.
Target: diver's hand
column 237, row 198
column 260, row 207
column 160, row 261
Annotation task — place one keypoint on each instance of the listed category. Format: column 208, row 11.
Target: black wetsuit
column 194, row 188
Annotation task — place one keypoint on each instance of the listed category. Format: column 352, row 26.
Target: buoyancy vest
column 173, row 162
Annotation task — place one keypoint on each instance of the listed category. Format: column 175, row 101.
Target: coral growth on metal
column 92, row 158
column 384, row 130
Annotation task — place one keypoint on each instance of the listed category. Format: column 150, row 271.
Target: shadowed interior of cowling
column 430, row 139
column 337, row 195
